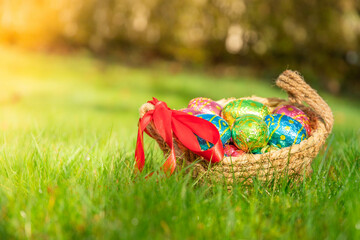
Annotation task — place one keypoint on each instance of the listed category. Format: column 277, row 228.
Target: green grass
column 67, row 137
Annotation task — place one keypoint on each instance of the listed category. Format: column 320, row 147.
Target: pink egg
column 296, row 114
column 190, row 111
column 231, row 150
column 205, row 105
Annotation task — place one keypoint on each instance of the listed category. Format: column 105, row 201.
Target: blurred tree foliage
column 320, row 37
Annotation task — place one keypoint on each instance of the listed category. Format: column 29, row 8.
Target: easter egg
column 284, row 131
column 296, row 114
column 190, row 111
column 205, row 105
column 266, row 149
column 222, row 127
column 249, row 132
column 240, row 107
column 231, row 150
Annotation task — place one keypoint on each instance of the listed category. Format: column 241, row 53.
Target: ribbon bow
column 185, row 128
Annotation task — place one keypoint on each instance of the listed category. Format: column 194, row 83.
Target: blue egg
column 284, row 131
column 220, row 124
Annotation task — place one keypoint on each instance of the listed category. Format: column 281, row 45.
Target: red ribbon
column 184, row 127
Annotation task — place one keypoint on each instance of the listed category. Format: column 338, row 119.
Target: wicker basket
column 294, row 161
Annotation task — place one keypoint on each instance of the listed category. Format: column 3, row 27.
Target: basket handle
column 299, row 91
column 145, row 108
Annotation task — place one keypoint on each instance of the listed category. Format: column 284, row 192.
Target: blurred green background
column 73, row 74
column 320, row 38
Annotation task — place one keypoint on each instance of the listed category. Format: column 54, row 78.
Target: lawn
column 68, row 127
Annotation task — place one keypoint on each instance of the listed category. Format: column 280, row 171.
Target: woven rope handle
column 299, row 91
column 145, row 108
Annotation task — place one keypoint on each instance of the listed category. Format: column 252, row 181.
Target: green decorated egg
column 241, row 107
column 249, row 132
column 266, row 149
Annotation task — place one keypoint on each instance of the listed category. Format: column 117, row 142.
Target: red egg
column 232, row 151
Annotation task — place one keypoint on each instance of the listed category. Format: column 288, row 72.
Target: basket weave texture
column 294, row 161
